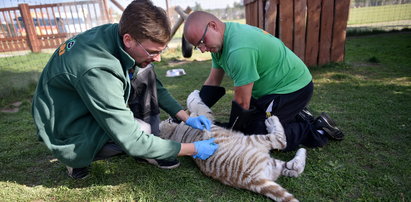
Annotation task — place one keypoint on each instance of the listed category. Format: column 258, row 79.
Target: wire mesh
column 384, row 15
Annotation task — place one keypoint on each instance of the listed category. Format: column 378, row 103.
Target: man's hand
column 199, row 122
column 205, row 148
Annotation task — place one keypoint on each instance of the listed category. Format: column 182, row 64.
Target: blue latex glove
column 199, row 122
column 205, row 148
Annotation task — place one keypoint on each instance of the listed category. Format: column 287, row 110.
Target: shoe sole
column 328, row 119
column 154, row 162
column 337, row 135
column 70, row 174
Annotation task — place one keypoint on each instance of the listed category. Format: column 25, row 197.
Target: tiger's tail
column 273, row 190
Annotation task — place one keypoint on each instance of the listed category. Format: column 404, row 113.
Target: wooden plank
column 300, row 13
column 246, row 2
column 327, row 17
column 8, row 9
column 19, row 25
column 6, row 22
column 119, row 6
column 105, row 10
column 313, row 28
column 271, row 16
column 253, row 14
column 86, row 20
column 342, row 8
column 34, row 44
column 44, row 25
column 261, row 13
column 286, row 22
column 16, row 38
column 72, row 3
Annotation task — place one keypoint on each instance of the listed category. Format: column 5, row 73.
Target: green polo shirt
column 250, row 54
column 81, row 101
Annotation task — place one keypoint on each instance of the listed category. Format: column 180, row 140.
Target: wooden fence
column 314, row 29
column 48, row 25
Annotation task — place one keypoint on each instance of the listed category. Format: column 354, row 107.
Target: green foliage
column 369, row 100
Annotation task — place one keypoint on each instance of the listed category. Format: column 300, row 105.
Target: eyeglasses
column 152, row 54
column 201, row 42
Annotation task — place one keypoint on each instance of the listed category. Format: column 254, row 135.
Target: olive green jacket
column 81, row 101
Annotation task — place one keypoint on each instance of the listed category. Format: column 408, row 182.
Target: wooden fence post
column 286, row 23
column 313, row 32
column 300, row 14
column 104, row 10
column 32, row 39
column 327, row 18
column 271, row 17
column 342, row 8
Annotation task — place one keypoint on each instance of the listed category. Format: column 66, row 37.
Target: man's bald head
column 195, row 24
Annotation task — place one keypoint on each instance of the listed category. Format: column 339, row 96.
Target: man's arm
column 242, row 95
column 215, row 78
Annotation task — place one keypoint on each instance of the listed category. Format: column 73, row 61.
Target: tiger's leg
column 276, row 133
column 197, row 107
column 296, row 166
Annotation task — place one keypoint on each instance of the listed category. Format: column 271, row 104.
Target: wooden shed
column 314, row 29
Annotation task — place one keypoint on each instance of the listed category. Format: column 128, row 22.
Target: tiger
column 241, row 161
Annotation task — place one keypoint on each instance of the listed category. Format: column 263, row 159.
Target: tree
column 238, row 5
column 197, row 7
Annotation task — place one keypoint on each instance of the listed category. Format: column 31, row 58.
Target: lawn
column 369, row 96
column 374, row 14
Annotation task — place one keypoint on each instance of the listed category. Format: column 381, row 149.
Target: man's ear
column 127, row 40
column 213, row 25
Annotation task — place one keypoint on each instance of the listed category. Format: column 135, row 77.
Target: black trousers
column 286, row 107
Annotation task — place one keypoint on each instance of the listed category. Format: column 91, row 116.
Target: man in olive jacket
column 80, row 104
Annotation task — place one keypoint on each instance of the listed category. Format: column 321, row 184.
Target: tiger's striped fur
column 240, row 161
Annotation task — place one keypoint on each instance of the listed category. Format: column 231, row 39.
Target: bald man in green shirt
column 269, row 79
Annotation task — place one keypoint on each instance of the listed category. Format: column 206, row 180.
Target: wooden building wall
column 314, row 29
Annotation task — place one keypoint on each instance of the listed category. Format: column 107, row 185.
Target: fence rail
column 314, row 29
column 43, row 26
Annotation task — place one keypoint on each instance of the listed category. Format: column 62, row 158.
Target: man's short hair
column 142, row 20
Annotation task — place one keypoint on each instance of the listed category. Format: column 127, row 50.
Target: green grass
column 369, row 97
column 20, row 73
column 365, row 15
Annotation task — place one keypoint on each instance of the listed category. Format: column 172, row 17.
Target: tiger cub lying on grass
column 240, row 161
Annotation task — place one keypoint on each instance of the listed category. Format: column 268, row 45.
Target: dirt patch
column 12, row 108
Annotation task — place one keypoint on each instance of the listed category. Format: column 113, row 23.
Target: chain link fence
column 379, row 15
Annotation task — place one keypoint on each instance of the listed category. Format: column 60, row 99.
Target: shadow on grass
column 16, row 85
column 369, row 101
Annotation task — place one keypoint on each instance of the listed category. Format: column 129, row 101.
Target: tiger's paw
column 296, row 166
column 273, row 125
